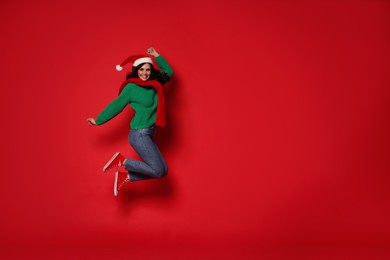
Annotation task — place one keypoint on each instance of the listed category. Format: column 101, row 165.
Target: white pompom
column 118, row 68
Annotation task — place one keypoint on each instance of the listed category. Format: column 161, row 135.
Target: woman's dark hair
column 161, row 77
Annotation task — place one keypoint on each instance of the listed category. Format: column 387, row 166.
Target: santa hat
column 136, row 60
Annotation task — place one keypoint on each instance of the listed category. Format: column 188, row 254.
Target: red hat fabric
column 135, row 60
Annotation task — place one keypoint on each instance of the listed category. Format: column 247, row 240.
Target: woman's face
column 144, row 72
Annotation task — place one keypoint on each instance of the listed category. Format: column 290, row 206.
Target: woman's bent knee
column 160, row 173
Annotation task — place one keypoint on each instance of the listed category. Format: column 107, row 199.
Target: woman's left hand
column 152, row 51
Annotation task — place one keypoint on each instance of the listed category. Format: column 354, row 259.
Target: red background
column 277, row 144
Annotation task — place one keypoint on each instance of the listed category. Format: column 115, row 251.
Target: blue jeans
column 153, row 165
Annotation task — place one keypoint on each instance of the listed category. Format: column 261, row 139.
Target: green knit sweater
column 142, row 99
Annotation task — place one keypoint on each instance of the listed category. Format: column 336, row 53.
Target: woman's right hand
column 91, row 121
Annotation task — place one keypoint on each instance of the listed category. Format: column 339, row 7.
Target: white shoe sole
column 110, row 161
column 116, row 184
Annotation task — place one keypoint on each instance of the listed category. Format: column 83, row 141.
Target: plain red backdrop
column 277, row 139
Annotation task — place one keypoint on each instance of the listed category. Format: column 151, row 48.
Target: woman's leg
column 153, row 165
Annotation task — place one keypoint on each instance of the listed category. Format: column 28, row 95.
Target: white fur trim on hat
column 142, row 60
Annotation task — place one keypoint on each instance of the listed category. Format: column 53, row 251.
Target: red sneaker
column 116, row 161
column 120, row 179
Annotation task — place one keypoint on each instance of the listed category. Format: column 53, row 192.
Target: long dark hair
column 161, row 77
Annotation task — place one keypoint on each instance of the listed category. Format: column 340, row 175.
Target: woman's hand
column 152, row 51
column 91, row 121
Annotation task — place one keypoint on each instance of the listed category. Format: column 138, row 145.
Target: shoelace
column 123, row 182
column 119, row 164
